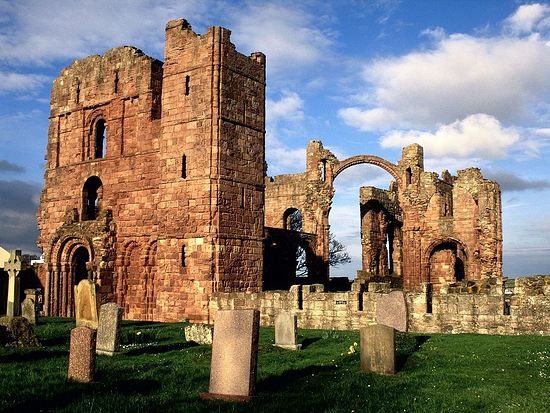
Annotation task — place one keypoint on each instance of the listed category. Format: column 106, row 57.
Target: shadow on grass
column 403, row 355
column 31, row 356
column 160, row 348
column 291, row 379
column 78, row 392
column 132, row 323
column 306, row 342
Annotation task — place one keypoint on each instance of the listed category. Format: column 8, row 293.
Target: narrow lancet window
column 100, row 139
column 187, row 81
column 183, row 166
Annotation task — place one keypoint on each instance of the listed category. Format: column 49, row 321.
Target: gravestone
column 108, row 330
column 86, row 304
column 378, row 349
column 286, row 326
column 28, row 310
column 82, row 355
column 391, row 310
column 199, row 333
column 234, row 355
column 13, row 267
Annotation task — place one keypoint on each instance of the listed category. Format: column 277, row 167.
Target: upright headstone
column 108, row 330
column 286, row 331
column 378, row 349
column 82, row 355
column 234, row 355
column 86, row 304
column 28, row 310
column 391, row 310
column 13, row 267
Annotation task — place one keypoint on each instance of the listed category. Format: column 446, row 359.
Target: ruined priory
column 156, row 188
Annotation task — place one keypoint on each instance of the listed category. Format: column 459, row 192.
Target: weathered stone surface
column 199, row 333
column 391, row 310
column 378, row 349
column 13, row 267
column 234, row 354
column 286, row 331
column 17, row 332
column 108, row 330
column 28, row 310
column 82, row 355
column 147, row 133
column 86, row 304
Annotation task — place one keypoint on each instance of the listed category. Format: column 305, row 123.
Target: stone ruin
column 156, row 189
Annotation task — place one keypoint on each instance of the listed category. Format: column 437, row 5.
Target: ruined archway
column 446, row 262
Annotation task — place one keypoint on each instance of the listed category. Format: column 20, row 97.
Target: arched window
column 91, row 198
column 292, row 219
column 100, row 134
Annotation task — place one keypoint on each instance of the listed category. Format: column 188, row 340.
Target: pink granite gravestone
column 82, row 355
column 234, row 355
column 391, row 310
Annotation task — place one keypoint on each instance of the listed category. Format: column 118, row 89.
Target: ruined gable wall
column 121, row 88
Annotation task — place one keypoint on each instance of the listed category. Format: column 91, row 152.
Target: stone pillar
column 13, row 267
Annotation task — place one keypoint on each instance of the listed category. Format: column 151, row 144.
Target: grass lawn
column 159, row 371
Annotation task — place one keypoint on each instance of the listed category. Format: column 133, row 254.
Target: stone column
column 13, row 267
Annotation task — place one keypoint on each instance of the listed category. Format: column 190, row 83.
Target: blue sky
column 469, row 80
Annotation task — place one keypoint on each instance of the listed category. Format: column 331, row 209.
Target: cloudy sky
column 469, row 80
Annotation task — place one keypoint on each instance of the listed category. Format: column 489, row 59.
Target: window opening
column 91, row 198
column 100, row 139
column 183, row 256
column 408, row 173
column 116, row 82
column 293, row 219
column 187, row 81
column 78, row 92
column 183, row 166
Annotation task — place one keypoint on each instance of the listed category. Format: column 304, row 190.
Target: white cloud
column 19, row 82
column 38, row 32
column 528, row 18
column 476, row 136
column 288, row 36
column 459, row 75
column 368, row 120
column 289, row 107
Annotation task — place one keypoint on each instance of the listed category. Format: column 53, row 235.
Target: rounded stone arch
column 67, row 264
column 369, row 159
column 62, row 248
column 150, row 256
column 441, row 243
column 293, row 216
column 97, row 134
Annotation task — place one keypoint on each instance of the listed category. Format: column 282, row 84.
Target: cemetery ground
column 158, row 371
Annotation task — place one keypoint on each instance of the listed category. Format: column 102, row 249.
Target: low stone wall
column 486, row 311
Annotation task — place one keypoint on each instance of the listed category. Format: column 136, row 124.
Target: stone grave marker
column 199, row 333
column 82, row 355
column 28, row 310
column 86, row 304
column 108, row 330
column 234, row 355
column 286, row 331
column 13, row 267
column 391, row 310
column 378, row 349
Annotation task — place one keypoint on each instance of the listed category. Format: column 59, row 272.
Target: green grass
column 159, row 371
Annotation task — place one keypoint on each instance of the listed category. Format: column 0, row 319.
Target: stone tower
column 154, row 176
